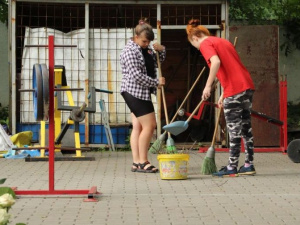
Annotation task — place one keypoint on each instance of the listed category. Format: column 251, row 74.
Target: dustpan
column 178, row 127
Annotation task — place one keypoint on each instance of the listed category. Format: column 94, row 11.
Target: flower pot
column 173, row 166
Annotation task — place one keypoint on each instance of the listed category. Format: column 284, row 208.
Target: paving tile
column 270, row 197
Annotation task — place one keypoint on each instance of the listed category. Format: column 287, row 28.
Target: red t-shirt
column 232, row 74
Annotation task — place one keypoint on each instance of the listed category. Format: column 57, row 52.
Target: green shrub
column 4, row 115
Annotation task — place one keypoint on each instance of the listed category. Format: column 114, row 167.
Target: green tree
column 3, row 11
column 289, row 17
column 253, row 12
column 276, row 12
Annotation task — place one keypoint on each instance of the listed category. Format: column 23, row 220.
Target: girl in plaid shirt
column 138, row 83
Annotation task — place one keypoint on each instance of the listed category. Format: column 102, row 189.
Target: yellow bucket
column 173, row 166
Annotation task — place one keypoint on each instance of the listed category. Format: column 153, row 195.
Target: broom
column 156, row 146
column 171, row 148
column 209, row 165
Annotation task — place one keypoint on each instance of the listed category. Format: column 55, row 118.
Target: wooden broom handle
column 195, row 110
column 188, row 94
column 162, row 89
column 197, row 107
column 216, row 127
column 235, row 40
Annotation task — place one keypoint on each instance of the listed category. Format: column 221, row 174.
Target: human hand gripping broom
column 156, row 146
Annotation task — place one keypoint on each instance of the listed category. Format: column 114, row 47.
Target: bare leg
column 148, row 124
column 143, row 128
column 134, row 139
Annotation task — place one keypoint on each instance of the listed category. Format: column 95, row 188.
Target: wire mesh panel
column 208, row 14
column 35, row 22
column 112, row 26
column 121, row 16
column 71, row 58
column 62, row 17
column 105, row 48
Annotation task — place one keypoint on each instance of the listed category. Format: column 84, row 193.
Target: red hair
column 195, row 29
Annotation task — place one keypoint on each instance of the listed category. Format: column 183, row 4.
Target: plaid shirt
column 135, row 80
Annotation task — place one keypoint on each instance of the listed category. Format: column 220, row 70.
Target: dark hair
column 144, row 28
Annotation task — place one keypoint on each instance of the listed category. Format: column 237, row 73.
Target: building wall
column 4, row 76
column 288, row 65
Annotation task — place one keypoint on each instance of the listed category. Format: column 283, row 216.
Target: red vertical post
column 283, row 113
column 284, row 105
column 280, row 112
column 51, row 112
column 51, row 138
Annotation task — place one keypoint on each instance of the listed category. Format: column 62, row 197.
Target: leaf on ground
column 2, row 180
column 4, row 190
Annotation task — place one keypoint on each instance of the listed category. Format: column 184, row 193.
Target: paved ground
column 271, row 197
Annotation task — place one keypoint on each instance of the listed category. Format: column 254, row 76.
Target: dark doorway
column 181, row 68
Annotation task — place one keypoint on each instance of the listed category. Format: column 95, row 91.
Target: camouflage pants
column 238, row 119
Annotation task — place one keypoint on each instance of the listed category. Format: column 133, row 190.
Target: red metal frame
column 283, row 114
column 91, row 192
column 283, row 128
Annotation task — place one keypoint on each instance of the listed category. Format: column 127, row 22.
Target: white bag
column 5, row 142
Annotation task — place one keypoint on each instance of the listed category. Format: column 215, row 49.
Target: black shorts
column 137, row 106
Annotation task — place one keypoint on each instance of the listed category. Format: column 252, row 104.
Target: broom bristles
column 208, row 166
column 171, row 148
column 156, row 146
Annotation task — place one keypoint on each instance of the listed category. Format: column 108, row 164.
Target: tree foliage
column 276, row 12
column 3, row 11
column 254, row 12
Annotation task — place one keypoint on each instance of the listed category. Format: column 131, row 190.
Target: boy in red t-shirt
column 238, row 89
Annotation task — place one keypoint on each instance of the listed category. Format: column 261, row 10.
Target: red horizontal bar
column 275, row 149
column 45, row 46
column 55, row 192
column 46, row 147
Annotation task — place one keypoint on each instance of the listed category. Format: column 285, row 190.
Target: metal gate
column 258, row 49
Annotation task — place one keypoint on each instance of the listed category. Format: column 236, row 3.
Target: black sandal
column 150, row 169
column 134, row 169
